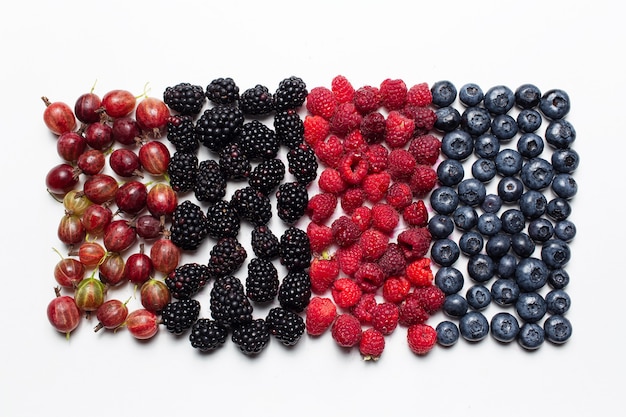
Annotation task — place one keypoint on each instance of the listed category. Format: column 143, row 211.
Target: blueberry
column 484, row 169
column 448, row 119
column 447, row 333
column 558, row 209
column 455, row 305
column 480, row 267
column 509, row 162
column 529, row 120
column 558, row 278
column 565, row 160
column 449, row 280
column 530, row 145
column 537, row 173
column 522, row 245
column 527, row 96
column 510, row 188
column 540, row 229
column 444, row 93
column 531, row 274
column 491, row 204
column 533, row 204
column 555, row 104
column 506, row 266
column 457, row 144
column 560, row 134
column 557, row 328
column 499, row 99
column 478, row 297
column 558, row 301
column 475, row 120
column 465, row 217
column 565, row 230
column 498, row 245
column 471, row 243
column 504, row 327
column 513, row 221
column 440, row 226
column 531, row 336
column 444, row 199
column 555, row 253
column 450, row 172
column 531, row 307
column 486, row 146
column 474, row 326
column 445, row 252
column 504, row 291
column 489, row 224
column 471, row 94
column 564, row 186
column 471, row 192
column 504, row 127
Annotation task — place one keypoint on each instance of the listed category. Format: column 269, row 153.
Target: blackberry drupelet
column 252, row 205
column 302, row 163
column 182, row 171
column 181, row 134
column 287, row 326
column 228, row 302
column 234, row 163
column 185, row 98
column 267, row 175
column 252, row 337
column 226, row 257
column 187, row 280
column 210, row 185
column 179, row 316
column 289, row 128
column 265, row 243
column 189, row 226
column 294, row 292
column 222, row 220
column 217, row 126
column 207, row 335
column 256, row 101
column 295, row 249
column 222, row 90
column 292, row 199
column 290, row 94
column 262, row 281
column 257, row 140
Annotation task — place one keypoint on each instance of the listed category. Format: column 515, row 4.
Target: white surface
column 59, row 49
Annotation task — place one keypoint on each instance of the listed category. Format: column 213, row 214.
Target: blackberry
column 252, row 205
column 210, row 185
column 234, row 163
column 179, row 316
column 287, row 326
column 257, row 140
column 187, row 280
column 189, row 226
column 267, row 175
column 222, row 220
column 207, row 335
column 217, row 126
column 295, row 249
column 256, row 101
column 228, row 302
column 262, row 281
column 181, row 134
column 290, row 94
column 302, row 163
column 265, row 243
column 222, row 91
column 294, row 292
column 292, row 199
column 226, row 257
column 185, row 98
column 289, row 128
column 182, row 171
column 252, row 337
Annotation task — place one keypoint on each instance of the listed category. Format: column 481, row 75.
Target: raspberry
column 415, row 242
column 374, row 244
column 395, row 289
column 346, row 292
column 369, row 276
column 362, row 216
column 320, row 237
column 321, row 102
column 399, row 196
column 345, row 119
column 398, row 129
column 345, row 231
column 363, row 309
column 385, row 317
column 424, row 118
column 393, row 94
column 421, row 338
column 416, row 214
column 377, row 156
column 354, row 142
column 376, row 185
column 412, row 311
column 419, row 95
column 330, row 181
column 329, row 151
column 393, row 262
column 353, row 168
column 384, row 217
column 373, row 127
column 316, row 128
column 320, row 314
column 367, row 99
column 423, row 180
column 321, row 207
column 346, row 330
column 349, row 258
column 351, row 199
column 323, row 272
column 425, row 149
column 431, row 298
column 420, row 273
column 372, row 344
column 401, row 164
column 342, row 89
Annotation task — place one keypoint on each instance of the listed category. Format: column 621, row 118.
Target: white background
column 59, row 49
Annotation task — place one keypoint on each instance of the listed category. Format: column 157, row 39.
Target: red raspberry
column 423, row 180
column 346, row 330
column 424, row 118
column 425, row 149
column 320, row 237
column 419, row 272
column 374, row 244
column 362, row 216
column 398, row 129
column 353, row 168
column 384, row 217
column 401, row 164
column 363, row 309
column 316, row 128
column 416, row 214
column 372, row 344
column 352, row 198
column 329, row 151
column 320, row 314
column 421, row 338
column 415, row 242
column 431, row 298
column 412, row 311
column 373, row 127
column 321, row 102
column 323, row 272
column 354, row 142
column 342, row 88
column 393, row 262
column 369, row 276
column 330, row 181
column 321, row 207
column 376, row 185
column 395, row 289
column 345, row 119
column 367, row 99
column 377, row 156
column 393, row 94
column 385, row 317
column 346, row 292
column 419, row 95
column 345, row 231
column 399, row 196
column 349, row 258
